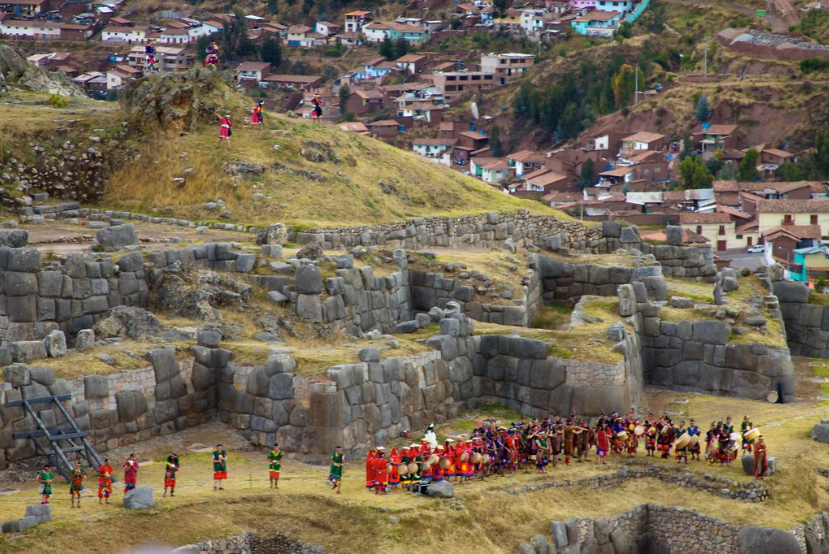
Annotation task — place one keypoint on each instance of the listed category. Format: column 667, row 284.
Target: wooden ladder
column 75, row 439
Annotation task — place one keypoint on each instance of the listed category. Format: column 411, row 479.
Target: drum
column 402, row 470
column 683, row 441
column 735, row 437
column 622, row 435
column 639, row 430
column 772, row 397
column 445, row 463
column 465, row 457
column 752, row 434
column 694, row 440
column 731, row 447
column 413, row 467
column 433, row 459
column 476, row 458
column 485, row 459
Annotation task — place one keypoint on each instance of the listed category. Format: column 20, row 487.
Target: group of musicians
column 496, row 450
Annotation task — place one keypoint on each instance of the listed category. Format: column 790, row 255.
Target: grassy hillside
column 359, row 180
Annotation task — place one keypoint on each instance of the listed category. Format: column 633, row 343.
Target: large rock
column 41, row 512
column 673, row 234
column 14, row 238
column 17, row 375
column 711, row 332
column 443, row 489
column 55, row 343
column 748, row 465
column 308, row 280
column 764, row 540
column 28, row 350
column 131, row 405
column 85, row 339
column 128, row 322
column 112, row 239
column 791, row 291
column 820, row 432
column 140, row 498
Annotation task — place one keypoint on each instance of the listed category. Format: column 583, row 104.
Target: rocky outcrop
column 173, row 101
column 16, row 73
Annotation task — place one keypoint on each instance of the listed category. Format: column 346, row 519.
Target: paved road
column 743, row 259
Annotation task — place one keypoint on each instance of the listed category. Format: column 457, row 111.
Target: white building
column 132, row 35
column 30, row 29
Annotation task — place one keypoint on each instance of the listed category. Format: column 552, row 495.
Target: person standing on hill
column 275, row 459
column 170, row 469
column 45, row 478
column 219, row 467
column 316, row 105
column 105, row 481
column 257, row 116
column 130, row 473
column 225, row 125
column 76, row 483
column 335, row 475
column 761, row 459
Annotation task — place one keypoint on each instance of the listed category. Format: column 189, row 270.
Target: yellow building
column 782, row 213
column 718, row 228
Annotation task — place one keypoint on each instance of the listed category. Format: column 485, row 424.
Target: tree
column 401, row 48
column 273, row 6
column 694, row 173
column 500, row 8
column 587, row 178
column 790, row 172
column 748, row 166
column 570, row 122
column 687, row 147
column 387, row 49
column 819, row 160
column 271, row 52
column 703, row 110
column 345, row 94
column 495, row 141
column 622, row 84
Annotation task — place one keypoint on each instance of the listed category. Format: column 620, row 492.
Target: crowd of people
column 539, row 444
column 490, row 450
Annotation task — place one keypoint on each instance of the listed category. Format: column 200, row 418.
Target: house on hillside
column 293, row 82
column 643, row 141
column 253, row 71
column 121, row 74
column 718, row 228
column 297, row 35
column 809, row 263
column 525, row 161
column 489, row 170
column 386, row 128
column 39, row 30
column 25, row 7
column 412, row 63
column 354, row 127
column 455, row 84
column 469, row 145
column 168, row 58
column 364, row 101
column 131, row 35
column 438, row 150
column 713, row 137
column 598, row 23
column 327, row 29
column 374, row 68
column 785, row 239
column 506, row 67
column 543, row 181
column 355, row 21
column 785, row 213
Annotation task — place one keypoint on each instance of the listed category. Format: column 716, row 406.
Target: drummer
column 694, row 431
column 650, row 435
column 724, row 442
column 745, row 427
column 681, row 450
column 394, row 467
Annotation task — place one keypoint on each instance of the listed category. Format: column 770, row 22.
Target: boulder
column 131, row 405
column 277, row 297
column 369, row 355
column 14, row 238
column 139, row 498
column 112, row 239
column 406, row 327
column 673, row 234
column 128, row 322
column 616, row 332
column 311, row 252
column 443, row 489
column 41, row 512
column 729, row 284
column 820, row 432
column 55, row 343
column 748, row 465
column 681, row 302
column 209, row 336
column 629, row 235
column 17, row 375
column 85, row 339
column 627, row 300
column 28, row 350
column 764, row 540
column 308, row 280
column 791, row 291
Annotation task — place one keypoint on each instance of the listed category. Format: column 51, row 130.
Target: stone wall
column 807, row 325
column 489, row 230
column 68, row 295
column 250, row 543
column 652, row 528
column 700, row 356
column 116, row 410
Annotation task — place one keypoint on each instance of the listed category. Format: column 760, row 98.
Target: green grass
column 819, row 299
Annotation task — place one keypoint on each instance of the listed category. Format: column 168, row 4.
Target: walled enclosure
column 361, row 404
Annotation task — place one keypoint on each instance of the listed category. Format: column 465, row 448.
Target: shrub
column 810, row 65
column 57, row 101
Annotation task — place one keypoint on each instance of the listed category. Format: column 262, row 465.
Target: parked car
column 756, row 249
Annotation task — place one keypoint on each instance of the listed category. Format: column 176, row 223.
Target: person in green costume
column 335, row 476
column 45, row 478
column 275, row 458
column 219, row 467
